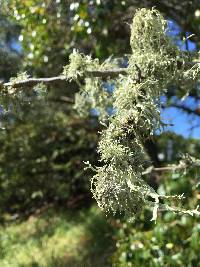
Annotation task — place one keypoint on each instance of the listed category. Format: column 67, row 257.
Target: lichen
column 93, row 93
column 12, row 98
column 154, row 65
column 78, row 64
column 93, row 96
column 118, row 185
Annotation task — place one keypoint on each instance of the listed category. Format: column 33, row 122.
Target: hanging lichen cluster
column 155, row 62
column 94, row 93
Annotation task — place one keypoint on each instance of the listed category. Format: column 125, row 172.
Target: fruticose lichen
column 155, row 63
column 94, row 93
column 118, row 185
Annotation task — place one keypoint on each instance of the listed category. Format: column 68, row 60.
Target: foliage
column 42, row 160
column 8, row 63
column 173, row 147
column 173, row 241
column 43, row 140
column 9, row 58
column 57, row 238
column 51, row 29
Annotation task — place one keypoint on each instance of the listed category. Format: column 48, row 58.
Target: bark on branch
column 173, row 167
column 30, row 82
column 112, row 73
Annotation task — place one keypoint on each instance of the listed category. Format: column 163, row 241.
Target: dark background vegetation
column 44, row 145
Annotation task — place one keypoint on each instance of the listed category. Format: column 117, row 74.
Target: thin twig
column 188, row 212
column 161, row 169
column 34, row 81
column 167, row 168
column 106, row 73
column 30, row 82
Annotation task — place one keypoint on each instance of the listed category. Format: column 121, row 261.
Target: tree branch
column 33, row 81
column 181, row 166
column 62, row 99
column 30, row 82
column 112, row 73
column 161, row 169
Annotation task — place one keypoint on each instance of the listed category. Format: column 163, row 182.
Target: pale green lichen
column 118, row 185
column 93, row 96
column 13, row 98
column 78, row 64
column 155, row 64
column 92, row 93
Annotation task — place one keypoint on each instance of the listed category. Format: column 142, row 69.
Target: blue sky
column 184, row 124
